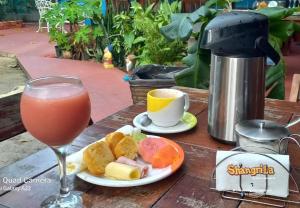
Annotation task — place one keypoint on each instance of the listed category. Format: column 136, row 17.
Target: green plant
column 78, row 38
column 3, row 2
column 182, row 27
column 197, row 74
column 279, row 31
column 137, row 32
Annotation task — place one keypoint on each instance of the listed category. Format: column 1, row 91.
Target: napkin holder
column 261, row 198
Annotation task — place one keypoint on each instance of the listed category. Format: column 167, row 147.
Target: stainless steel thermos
column 239, row 46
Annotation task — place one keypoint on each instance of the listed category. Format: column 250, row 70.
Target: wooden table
column 188, row 187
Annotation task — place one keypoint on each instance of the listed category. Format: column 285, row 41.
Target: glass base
column 72, row 200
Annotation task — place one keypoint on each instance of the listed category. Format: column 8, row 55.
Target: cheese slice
column 122, row 172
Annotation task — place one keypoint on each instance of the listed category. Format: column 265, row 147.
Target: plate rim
column 116, row 183
column 138, row 125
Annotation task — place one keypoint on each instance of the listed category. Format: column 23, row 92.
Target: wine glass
column 55, row 110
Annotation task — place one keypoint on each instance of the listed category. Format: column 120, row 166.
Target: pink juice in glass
column 55, row 113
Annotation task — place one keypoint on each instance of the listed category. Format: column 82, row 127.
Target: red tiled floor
column 26, row 41
column 108, row 92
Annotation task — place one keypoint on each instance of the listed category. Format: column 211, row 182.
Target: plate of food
column 126, row 158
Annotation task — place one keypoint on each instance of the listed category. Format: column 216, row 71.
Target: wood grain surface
column 10, row 119
column 188, row 187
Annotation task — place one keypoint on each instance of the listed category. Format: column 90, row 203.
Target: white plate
column 154, row 174
column 187, row 122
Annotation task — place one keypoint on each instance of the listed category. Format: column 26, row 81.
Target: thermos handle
column 263, row 44
column 186, row 101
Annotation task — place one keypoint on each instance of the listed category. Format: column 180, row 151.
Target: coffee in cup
column 165, row 107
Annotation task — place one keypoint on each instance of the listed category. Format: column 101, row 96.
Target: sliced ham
column 143, row 168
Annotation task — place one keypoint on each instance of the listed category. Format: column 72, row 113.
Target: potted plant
column 137, row 33
column 184, row 26
column 77, row 39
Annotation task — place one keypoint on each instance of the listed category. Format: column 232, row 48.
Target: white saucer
column 187, row 122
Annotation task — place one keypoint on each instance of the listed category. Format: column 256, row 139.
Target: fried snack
column 113, row 139
column 122, row 172
column 127, row 148
column 97, row 156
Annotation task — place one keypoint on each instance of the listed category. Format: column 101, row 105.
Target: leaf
column 189, row 60
column 138, row 136
column 176, row 6
column 149, row 9
column 82, row 35
column 183, row 77
column 128, row 40
column 165, row 7
column 281, row 29
column 197, row 75
column 278, row 90
column 139, row 40
column 180, row 29
column 203, row 11
column 219, row 3
column 275, row 42
column 276, row 74
column 178, row 16
column 97, row 32
column 278, row 13
column 193, row 48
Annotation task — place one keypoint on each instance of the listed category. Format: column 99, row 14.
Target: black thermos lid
column 239, row 34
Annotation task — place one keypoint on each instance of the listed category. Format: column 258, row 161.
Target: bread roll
column 113, row 139
column 122, row 172
column 97, row 156
column 127, row 147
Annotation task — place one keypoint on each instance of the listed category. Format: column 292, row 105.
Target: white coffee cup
column 165, row 107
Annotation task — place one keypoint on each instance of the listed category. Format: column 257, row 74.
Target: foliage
column 182, row 27
column 3, row 2
column 78, row 38
column 197, row 74
column 279, row 32
column 137, row 32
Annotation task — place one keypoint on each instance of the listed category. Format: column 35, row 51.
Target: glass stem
column 61, row 153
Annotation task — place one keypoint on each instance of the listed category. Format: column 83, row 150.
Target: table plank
column 199, row 135
column 10, row 119
column 141, row 196
column 42, row 161
column 32, row 194
column 29, row 167
column 199, row 162
column 192, row 192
